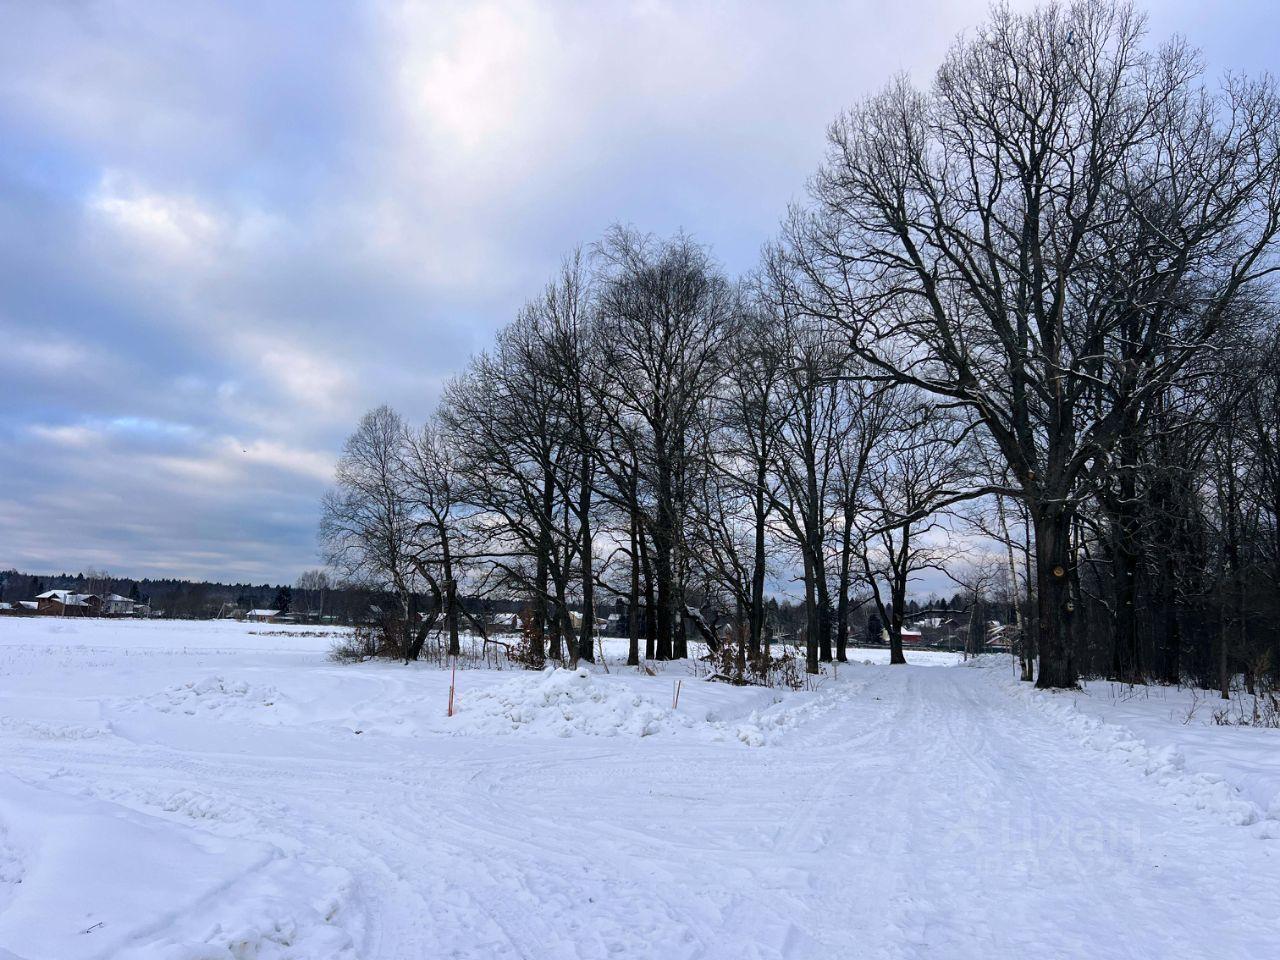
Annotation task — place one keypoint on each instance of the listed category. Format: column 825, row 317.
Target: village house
column 115, row 605
column 263, row 616
column 506, row 623
column 1001, row 636
column 66, row 603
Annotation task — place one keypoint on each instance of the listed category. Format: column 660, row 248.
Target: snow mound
column 564, row 703
column 1167, row 765
column 765, row 726
column 186, row 802
column 214, row 696
column 273, row 917
column 52, row 730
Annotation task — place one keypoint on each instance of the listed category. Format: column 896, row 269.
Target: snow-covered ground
column 217, row 790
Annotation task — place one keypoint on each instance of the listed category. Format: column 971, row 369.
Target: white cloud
column 313, row 464
column 51, row 353
column 160, row 225
column 66, row 435
column 472, row 76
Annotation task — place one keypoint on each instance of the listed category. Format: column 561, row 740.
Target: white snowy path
column 910, row 812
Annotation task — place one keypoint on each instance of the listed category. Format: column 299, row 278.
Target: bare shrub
column 785, row 670
column 355, row 647
column 1261, row 709
column 527, row 650
column 781, row 671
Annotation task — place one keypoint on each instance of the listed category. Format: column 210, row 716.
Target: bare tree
column 506, row 418
column 1021, row 240
column 914, row 468
column 811, row 426
column 312, row 588
column 566, row 310
column 666, row 314
column 366, row 526
column 745, row 423
column 433, row 491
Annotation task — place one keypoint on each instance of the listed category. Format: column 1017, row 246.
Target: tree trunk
column 741, row 628
column 1054, row 606
column 824, row 610
column 586, row 634
column 451, row 615
column 451, row 602
column 810, row 618
column 681, row 646
column 563, row 633
column 1224, row 672
column 1018, row 618
column 758, row 568
column 1030, row 625
column 650, row 602
column 539, row 633
column 1231, row 602
column 666, row 598
column 633, row 598
column 842, row 601
column 897, row 614
column 1172, row 642
column 1171, row 672
column 1127, row 666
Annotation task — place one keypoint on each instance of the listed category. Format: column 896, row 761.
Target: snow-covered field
column 217, row 790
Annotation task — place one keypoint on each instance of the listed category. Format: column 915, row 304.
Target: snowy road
column 899, row 813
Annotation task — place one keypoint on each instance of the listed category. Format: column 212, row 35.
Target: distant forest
column 204, row 599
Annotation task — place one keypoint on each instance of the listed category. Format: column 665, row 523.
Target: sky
column 228, row 229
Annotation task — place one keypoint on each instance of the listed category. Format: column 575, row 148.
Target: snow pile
column 765, row 726
column 1166, row 765
column 275, row 915
column 756, row 730
column 564, row 703
column 53, row 730
column 184, row 802
column 214, row 696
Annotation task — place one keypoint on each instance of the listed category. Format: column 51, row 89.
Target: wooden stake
column 453, row 675
column 675, row 698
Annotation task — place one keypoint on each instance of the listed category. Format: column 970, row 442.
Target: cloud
column 472, row 75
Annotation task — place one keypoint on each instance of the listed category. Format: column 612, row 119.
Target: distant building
column 66, row 603
column 1001, row 636
column 115, row 605
column 506, row 623
column 263, row 616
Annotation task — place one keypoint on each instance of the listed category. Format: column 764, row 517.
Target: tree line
column 1028, row 308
